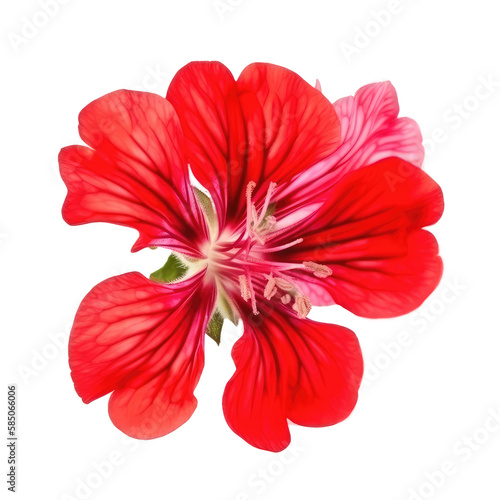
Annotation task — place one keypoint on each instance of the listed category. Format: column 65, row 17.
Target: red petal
column 389, row 277
column 368, row 233
column 296, row 123
column 302, row 370
column 143, row 340
column 269, row 125
column 136, row 176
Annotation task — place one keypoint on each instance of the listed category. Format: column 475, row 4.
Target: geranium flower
column 311, row 204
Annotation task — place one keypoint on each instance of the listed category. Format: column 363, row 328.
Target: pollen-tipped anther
column 319, row 270
column 302, row 306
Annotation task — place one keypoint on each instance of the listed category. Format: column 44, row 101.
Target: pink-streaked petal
column 135, row 175
column 370, row 131
column 144, row 341
column 287, row 368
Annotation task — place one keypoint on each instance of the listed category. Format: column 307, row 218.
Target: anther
column 270, row 289
column 250, row 187
column 245, row 289
column 319, row 270
column 302, row 306
column 286, row 298
column 270, row 190
column 285, row 285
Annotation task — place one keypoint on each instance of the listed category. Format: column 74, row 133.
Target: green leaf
column 172, row 270
column 214, row 327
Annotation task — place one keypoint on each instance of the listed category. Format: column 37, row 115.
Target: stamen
column 250, row 188
column 285, row 285
column 255, row 217
column 286, row 298
column 296, row 291
column 283, row 247
column 245, row 290
column 247, row 253
column 252, row 295
column 319, row 270
column 302, row 306
column 276, row 233
column 270, row 289
column 270, row 190
column 281, row 266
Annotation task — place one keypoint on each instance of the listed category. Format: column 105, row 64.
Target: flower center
column 249, row 261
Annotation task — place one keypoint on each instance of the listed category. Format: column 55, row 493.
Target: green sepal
column 270, row 211
column 206, row 205
column 171, row 271
column 214, row 326
column 227, row 310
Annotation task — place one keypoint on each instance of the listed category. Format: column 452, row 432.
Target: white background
column 420, row 401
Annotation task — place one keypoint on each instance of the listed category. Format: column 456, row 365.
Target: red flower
column 313, row 204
